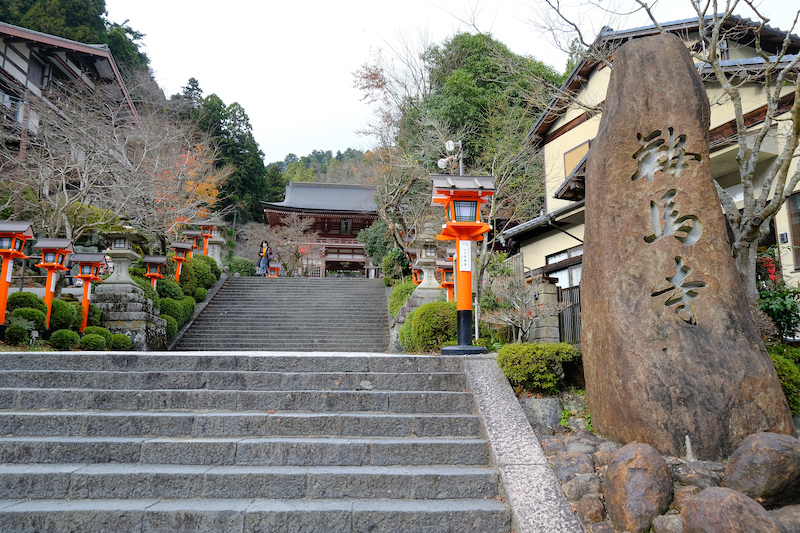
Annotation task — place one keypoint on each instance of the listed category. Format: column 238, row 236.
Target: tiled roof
column 326, row 197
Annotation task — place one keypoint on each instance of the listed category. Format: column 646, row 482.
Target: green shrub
column 188, row 278
column 395, row 264
column 77, row 320
column 95, row 315
column 92, row 342
column 37, row 317
column 430, row 327
column 399, row 295
column 536, row 366
column 215, row 270
column 24, row 299
column 787, row 352
column 404, row 334
column 149, row 291
column 788, row 374
column 783, row 307
column 200, row 294
column 97, row 330
column 188, row 305
column 207, row 275
column 242, row 265
column 17, row 335
column 172, row 308
column 62, row 315
column 64, row 339
column 120, row 341
column 169, row 288
column 172, row 326
column 388, row 282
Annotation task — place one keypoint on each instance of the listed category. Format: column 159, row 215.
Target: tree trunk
column 745, row 253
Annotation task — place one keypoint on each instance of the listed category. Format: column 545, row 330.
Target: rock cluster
column 634, row 489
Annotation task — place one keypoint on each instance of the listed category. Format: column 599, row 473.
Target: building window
column 566, row 267
column 36, row 71
column 794, row 224
column 573, row 157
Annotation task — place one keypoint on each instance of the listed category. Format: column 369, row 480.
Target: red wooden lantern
column 55, row 253
column 89, row 272
column 12, row 239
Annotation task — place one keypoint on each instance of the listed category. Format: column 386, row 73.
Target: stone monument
column 123, row 303
column 671, row 353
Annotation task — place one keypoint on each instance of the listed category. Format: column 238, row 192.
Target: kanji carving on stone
column 656, row 154
column 684, row 292
column 686, row 229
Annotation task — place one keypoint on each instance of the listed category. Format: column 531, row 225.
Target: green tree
column 247, row 185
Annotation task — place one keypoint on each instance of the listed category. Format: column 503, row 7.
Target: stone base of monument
column 464, row 349
column 126, row 310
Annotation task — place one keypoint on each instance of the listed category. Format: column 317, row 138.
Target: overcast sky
column 289, row 63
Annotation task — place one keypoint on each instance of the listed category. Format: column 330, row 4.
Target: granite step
column 231, row 380
column 255, row 515
column 274, row 451
column 234, row 424
column 443, row 402
column 129, row 481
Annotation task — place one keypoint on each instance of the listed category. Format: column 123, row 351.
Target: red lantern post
column 12, row 239
column 183, row 252
column 88, row 272
column 209, row 230
column 154, row 267
column 54, row 258
column 192, row 237
column 462, row 197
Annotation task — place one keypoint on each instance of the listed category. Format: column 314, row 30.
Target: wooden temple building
column 339, row 212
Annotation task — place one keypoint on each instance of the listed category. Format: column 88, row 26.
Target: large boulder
column 766, row 467
column 567, row 465
column 671, row 356
column 788, row 518
column 638, row 486
column 722, row 510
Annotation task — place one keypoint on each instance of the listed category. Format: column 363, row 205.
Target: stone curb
column 198, row 309
column 537, row 502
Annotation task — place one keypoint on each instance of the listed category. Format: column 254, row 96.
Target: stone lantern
column 55, row 253
column 88, row 272
column 462, row 197
column 425, row 244
column 122, row 256
column 124, row 304
column 12, row 239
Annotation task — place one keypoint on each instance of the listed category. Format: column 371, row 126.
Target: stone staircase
column 242, row 442
column 280, row 314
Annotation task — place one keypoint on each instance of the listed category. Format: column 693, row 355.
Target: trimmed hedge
column 120, row 341
column 429, row 327
column 242, row 265
column 37, row 317
column 64, row 339
column 97, row 330
column 16, row 335
column 200, row 294
column 169, row 288
column 149, row 291
column 536, row 366
column 62, row 315
column 215, row 270
column 17, row 300
column 172, row 326
column 92, row 342
column 399, row 295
